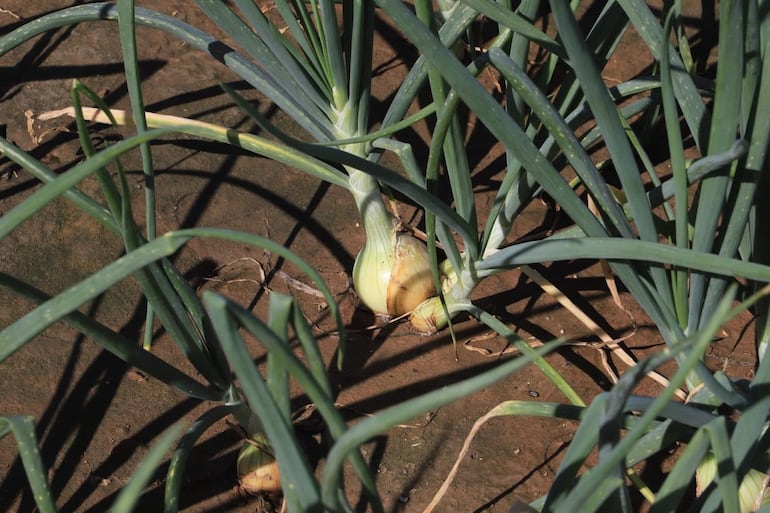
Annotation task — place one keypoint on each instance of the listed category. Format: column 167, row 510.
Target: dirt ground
column 96, row 418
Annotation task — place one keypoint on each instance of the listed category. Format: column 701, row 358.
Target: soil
column 96, row 417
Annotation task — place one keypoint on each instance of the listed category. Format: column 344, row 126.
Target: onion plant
column 679, row 261
column 208, row 330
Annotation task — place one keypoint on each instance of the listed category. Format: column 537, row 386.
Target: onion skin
column 257, row 470
column 394, row 280
column 752, row 491
column 411, row 280
column 429, row 317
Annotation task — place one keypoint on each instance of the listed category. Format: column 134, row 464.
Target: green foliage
column 680, row 262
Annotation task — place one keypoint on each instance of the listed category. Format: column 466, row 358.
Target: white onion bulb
column 392, row 279
column 752, row 492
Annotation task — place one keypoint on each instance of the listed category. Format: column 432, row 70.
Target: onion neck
column 378, row 222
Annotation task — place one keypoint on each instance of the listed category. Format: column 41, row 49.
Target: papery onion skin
column 429, row 317
column 257, row 470
column 411, row 279
column 394, row 280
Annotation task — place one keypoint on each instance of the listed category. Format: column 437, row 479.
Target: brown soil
column 96, row 418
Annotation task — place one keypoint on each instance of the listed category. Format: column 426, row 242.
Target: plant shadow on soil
column 96, row 417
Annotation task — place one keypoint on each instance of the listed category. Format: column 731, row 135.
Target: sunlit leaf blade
column 555, row 249
column 679, row 479
column 23, row 429
column 312, row 352
column 488, row 110
column 127, row 32
column 402, row 412
column 307, row 115
column 118, row 345
column 41, row 172
column 129, row 496
column 517, row 23
column 679, row 180
column 583, row 443
column 605, row 112
column 452, row 29
column 564, row 137
column 317, row 390
column 182, row 453
column 70, row 179
column 279, row 317
column 712, row 193
column 29, row 325
column 546, row 368
column 284, row 59
column 291, row 91
column 693, row 108
column 299, row 486
column 727, row 480
column 492, row 114
column 34, row 322
column 691, row 350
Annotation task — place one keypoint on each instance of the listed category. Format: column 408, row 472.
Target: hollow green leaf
column 86, row 203
column 372, row 426
column 118, row 345
column 564, row 137
column 299, row 485
column 23, row 429
column 182, row 453
column 267, row 45
column 606, row 114
column 29, row 325
column 312, row 352
column 546, row 368
column 692, row 349
column 679, row 180
column 317, row 390
column 712, row 192
column 451, row 30
column 129, row 495
column 679, row 479
column 608, row 248
column 306, row 114
column 687, row 93
column 43, row 196
column 279, row 317
column 518, row 143
column 518, row 24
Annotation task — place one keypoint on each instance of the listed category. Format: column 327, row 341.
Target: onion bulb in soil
column 392, row 277
column 753, row 491
column 257, row 469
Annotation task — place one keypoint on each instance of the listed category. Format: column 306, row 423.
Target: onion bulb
column 753, row 492
column 257, row 469
column 393, row 277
